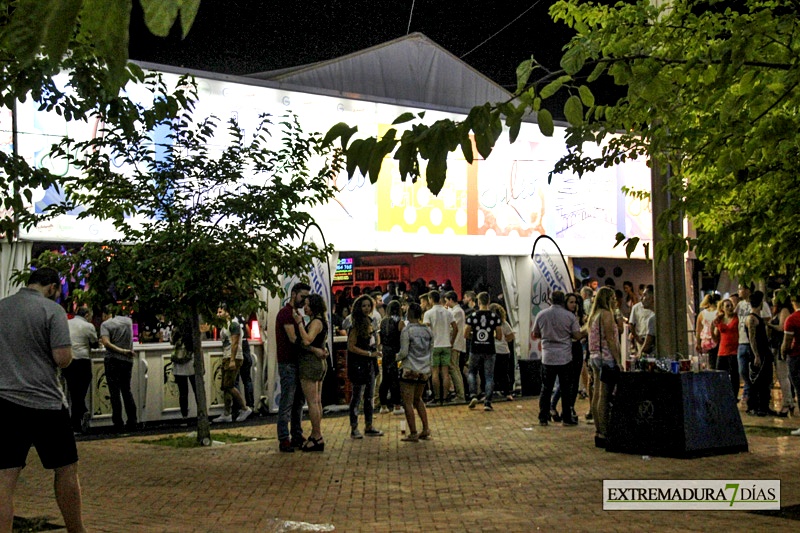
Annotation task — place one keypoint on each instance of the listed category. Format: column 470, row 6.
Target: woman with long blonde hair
column 704, row 330
column 604, row 351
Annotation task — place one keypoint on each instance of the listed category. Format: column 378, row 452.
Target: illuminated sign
column 344, row 271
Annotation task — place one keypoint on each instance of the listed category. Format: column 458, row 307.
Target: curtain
column 13, row 256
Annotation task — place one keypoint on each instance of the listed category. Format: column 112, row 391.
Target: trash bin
column 530, row 375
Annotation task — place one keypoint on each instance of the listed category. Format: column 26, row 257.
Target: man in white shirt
column 443, row 327
column 79, row 373
column 640, row 316
column 458, row 355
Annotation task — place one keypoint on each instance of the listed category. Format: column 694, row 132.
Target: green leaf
column 60, row 26
column 108, row 22
column 26, row 30
column 405, row 117
column 631, row 245
column 514, row 122
column 160, row 15
column 586, row 96
column 436, row 172
column 597, row 72
column 545, row 121
column 340, row 130
column 619, row 238
column 188, row 10
column 573, row 110
column 574, row 58
column 551, row 88
column 524, row 73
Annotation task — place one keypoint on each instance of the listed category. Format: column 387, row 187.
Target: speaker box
column 675, row 415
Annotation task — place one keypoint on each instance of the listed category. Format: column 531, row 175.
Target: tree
column 711, row 93
column 35, row 28
column 88, row 40
column 205, row 216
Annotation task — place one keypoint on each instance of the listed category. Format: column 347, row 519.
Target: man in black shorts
column 35, row 342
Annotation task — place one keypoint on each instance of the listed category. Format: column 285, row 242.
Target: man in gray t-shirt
column 34, row 344
column 556, row 327
column 116, row 335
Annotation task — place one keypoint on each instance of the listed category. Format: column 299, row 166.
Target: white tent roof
column 411, row 68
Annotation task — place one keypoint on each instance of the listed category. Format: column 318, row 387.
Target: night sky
column 245, row 36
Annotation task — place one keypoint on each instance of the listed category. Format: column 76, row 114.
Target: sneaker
column 286, row 446
column 356, row 434
column 796, row 432
column 488, row 407
column 244, row 414
column 473, row 403
column 372, row 432
column 85, row 419
column 384, row 410
column 222, row 419
column 399, row 411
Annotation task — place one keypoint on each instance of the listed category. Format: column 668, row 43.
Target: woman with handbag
column 416, row 347
column 604, row 355
column 362, row 356
column 183, row 366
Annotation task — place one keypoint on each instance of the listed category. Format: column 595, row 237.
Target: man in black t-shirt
column 482, row 328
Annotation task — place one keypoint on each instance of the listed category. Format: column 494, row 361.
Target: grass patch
column 767, row 431
column 190, row 441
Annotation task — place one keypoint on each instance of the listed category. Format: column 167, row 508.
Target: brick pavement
column 482, row 471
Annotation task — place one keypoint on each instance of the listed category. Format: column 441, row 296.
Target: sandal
column 313, row 445
column 425, row 435
column 413, row 437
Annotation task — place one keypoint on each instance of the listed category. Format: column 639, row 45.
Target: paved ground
column 494, row 471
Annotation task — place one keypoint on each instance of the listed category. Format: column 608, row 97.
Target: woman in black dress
column 313, row 365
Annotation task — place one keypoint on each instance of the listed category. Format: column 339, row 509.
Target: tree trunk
column 203, row 425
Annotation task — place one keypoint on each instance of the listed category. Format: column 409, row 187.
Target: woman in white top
column 503, row 359
column 603, row 351
column 704, row 330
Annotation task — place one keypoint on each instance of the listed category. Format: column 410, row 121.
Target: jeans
column 246, row 375
column 794, row 372
column 118, row 378
column 183, row 392
column 389, row 391
column 79, row 376
column 731, row 365
column 760, row 398
column 549, row 374
column 486, row 362
column 290, row 403
column 367, row 392
column 782, row 372
column 744, row 356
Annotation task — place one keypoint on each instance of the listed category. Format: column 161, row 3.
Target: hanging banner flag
column 319, row 279
column 550, row 273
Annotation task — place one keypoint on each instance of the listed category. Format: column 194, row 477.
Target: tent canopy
column 411, row 68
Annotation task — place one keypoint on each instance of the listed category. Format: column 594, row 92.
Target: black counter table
column 675, row 415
